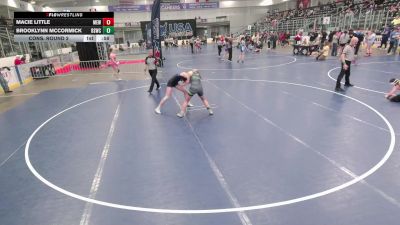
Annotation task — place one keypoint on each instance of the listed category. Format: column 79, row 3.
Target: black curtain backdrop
column 87, row 51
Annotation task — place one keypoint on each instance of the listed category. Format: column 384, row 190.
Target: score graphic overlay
column 64, row 26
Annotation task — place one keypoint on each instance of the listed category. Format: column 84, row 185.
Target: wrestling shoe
column 180, row 114
column 339, row 90
column 157, row 110
column 210, row 111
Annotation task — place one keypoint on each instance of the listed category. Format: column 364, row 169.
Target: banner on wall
column 326, row 20
column 164, row 7
column 126, row 2
column 155, row 28
column 171, row 29
column 303, row 4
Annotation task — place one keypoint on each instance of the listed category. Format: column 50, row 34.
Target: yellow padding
column 28, row 80
column 14, row 86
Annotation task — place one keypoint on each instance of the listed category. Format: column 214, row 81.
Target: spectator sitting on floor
column 396, row 87
column 323, row 54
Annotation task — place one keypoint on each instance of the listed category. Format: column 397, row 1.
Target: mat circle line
column 218, row 210
column 247, row 68
column 358, row 87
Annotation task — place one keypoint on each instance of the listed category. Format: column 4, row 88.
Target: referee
column 151, row 66
column 346, row 57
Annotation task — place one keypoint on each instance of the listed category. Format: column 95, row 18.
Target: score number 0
column 108, row 21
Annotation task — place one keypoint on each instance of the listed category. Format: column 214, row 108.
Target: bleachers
column 343, row 15
column 8, row 46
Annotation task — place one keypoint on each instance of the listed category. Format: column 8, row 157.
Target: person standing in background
column 151, row 65
column 394, row 41
column 17, row 60
column 343, row 40
column 335, row 43
column 220, row 44
column 191, row 41
column 323, row 38
column 160, row 60
column 114, row 64
column 242, row 49
column 23, row 60
column 4, row 77
column 385, row 37
column 360, row 35
column 229, row 43
column 369, row 40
